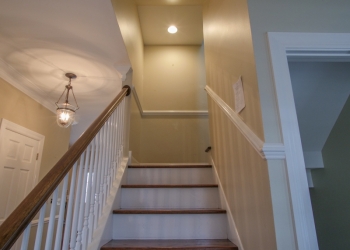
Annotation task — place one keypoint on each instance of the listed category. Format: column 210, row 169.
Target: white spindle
column 98, row 181
column 82, row 201
column 108, row 160
column 39, row 231
column 58, row 239
column 25, row 238
column 78, row 193
column 88, row 197
column 69, row 213
column 100, row 178
column 93, row 199
column 104, row 190
column 51, row 227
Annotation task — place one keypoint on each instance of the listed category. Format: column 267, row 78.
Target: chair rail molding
column 268, row 151
column 284, row 46
column 166, row 112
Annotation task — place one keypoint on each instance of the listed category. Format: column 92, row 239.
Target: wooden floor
column 170, row 244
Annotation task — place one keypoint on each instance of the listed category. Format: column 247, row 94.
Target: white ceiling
column 41, row 40
column 155, row 21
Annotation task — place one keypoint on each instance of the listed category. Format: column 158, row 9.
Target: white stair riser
column 170, row 176
column 174, row 198
column 169, row 226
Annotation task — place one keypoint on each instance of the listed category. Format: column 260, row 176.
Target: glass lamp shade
column 65, row 115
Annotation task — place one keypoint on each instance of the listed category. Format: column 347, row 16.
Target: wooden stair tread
column 169, row 244
column 169, row 211
column 169, row 186
column 170, row 166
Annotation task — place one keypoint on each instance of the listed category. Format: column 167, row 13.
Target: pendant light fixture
column 65, row 111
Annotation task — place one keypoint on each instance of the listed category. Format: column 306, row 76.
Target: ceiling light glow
column 172, row 29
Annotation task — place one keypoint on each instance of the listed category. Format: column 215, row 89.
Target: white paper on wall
column 239, row 95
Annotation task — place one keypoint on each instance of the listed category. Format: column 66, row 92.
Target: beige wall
column 22, row 110
column 243, row 173
column 288, row 16
column 165, row 77
column 174, row 78
column 128, row 21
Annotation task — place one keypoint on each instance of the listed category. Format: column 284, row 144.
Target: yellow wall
column 22, row 110
column 128, row 21
column 242, row 172
column 174, row 78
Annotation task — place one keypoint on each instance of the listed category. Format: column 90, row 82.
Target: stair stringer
column 232, row 231
column 102, row 234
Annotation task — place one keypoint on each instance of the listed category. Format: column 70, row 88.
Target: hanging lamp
column 65, row 111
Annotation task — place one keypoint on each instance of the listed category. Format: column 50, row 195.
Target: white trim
column 232, row 231
column 268, row 151
column 7, row 125
column 166, row 112
column 17, row 80
column 274, row 151
column 171, row 164
column 107, row 210
column 34, row 223
column 282, row 45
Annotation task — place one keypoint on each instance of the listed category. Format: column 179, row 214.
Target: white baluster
column 88, row 197
column 69, row 214
column 108, row 148
column 93, row 200
column 98, row 181
column 82, row 201
column 25, row 238
column 58, row 239
column 104, row 190
column 39, row 231
column 51, row 227
column 78, row 193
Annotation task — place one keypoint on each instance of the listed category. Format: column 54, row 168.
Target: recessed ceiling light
column 172, row 29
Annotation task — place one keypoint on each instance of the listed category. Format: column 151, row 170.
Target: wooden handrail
column 18, row 220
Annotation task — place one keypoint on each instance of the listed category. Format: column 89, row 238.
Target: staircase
column 170, row 207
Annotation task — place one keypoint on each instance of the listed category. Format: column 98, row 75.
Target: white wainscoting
column 166, row 112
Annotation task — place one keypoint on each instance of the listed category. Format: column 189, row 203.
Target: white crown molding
column 16, row 79
column 166, row 112
column 269, row 151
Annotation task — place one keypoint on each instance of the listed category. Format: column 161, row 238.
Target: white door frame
column 281, row 45
column 7, row 125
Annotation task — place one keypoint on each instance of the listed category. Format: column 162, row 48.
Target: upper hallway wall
column 129, row 24
column 19, row 108
column 243, row 173
column 174, row 78
column 288, row 16
column 229, row 54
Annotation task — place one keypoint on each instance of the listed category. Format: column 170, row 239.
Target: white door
column 20, row 155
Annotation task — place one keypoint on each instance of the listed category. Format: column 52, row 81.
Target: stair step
column 170, row 175
column 169, row 224
column 169, row 211
column 170, row 186
column 170, row 196
column 171, row 166
column 169, row 244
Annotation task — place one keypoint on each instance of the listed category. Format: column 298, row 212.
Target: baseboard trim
column 232, row 232
column 97, row 240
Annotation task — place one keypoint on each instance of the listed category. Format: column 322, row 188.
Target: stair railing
column 87, row 169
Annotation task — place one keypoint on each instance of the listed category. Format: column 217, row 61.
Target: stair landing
column 170, row 244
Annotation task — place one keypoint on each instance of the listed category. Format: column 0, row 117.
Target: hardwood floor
column 170, row 244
